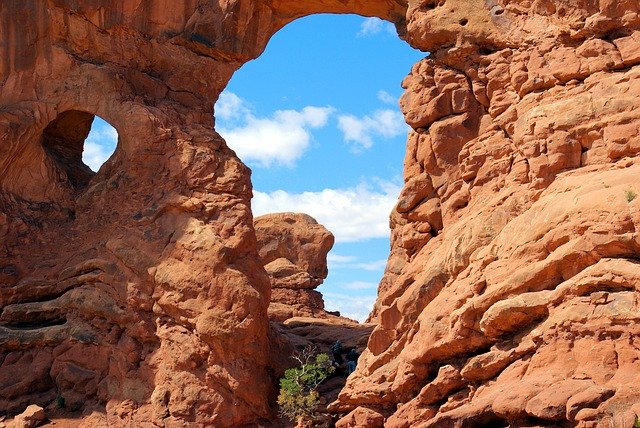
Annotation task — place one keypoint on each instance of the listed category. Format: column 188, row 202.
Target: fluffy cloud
column 277, row 140
column 353, row 214
column 354, row 307
column 337, row 261
column 360, row 285
column 373, row 26
column 100, row 144
column 360, row 131
column 231, row 107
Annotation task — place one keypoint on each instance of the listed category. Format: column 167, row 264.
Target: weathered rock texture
column 30, row 418
column 293, row 248
column 137, row 289
column 511, row 296
column 511, row 290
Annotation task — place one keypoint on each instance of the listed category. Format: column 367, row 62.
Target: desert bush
column 298, row 398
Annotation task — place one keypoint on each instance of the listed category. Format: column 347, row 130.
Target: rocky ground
column 293, row 335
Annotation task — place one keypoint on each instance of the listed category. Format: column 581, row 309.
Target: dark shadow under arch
column 63, row 139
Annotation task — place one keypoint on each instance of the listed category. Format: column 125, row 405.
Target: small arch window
column 79, row 143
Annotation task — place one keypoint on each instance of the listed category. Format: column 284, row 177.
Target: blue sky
column 316, row 119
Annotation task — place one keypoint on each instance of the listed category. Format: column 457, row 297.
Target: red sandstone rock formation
column 138, row 289
column 293, row 248
column 511, row 294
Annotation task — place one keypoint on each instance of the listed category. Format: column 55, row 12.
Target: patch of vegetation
column 298, row 398
column 630, row 195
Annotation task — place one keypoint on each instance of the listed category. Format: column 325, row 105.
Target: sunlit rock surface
column 511, row 294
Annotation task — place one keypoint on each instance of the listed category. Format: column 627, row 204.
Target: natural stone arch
column 316, row 46
column 177, row 249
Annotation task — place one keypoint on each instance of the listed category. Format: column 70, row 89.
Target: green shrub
column 298, row 398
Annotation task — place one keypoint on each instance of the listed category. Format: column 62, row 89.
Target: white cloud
column 100, row 144
column 285, row 136
column 354, row 307
column 360, row 285
column 337, row 261
column 387, row 98
column 373, row 26
column 354, row 214
column 230, row 106
column 372, row 265
column 340, row 260
column 278, row 140
column 386, row 123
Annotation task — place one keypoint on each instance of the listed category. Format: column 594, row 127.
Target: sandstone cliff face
column 293, row 248
column 137, row 288
column 511, row 289
column 513, row 293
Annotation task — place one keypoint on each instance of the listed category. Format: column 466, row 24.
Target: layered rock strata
column 510, row 296
column 293, row 248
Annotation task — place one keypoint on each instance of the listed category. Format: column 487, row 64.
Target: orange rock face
column 293, row 248
column 514, row 297
column 511, row 295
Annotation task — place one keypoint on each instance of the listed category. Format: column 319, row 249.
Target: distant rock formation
column 293, row 248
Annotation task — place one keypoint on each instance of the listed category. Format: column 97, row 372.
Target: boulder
column 32, row 416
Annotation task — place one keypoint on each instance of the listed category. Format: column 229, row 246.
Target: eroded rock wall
column 119, row 288
column 137, row 291
column 512, row 297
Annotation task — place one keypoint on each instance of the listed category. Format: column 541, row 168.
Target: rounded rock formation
column 293, row 248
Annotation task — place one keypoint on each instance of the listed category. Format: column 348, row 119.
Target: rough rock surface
column 293, row 248
column 32, row 416
column 137, row 289
column 512, row 297
column 511, row 292
column 297, row 333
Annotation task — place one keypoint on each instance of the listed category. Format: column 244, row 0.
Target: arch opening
column 79, row 143
column 100, row 144
column 63, row 139
column 323, row 135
